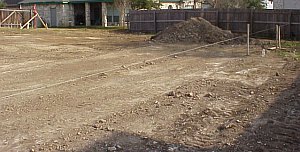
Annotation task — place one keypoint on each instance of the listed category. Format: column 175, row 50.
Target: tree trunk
column 122, row 17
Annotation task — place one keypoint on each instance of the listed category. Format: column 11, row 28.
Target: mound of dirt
column 193, row 30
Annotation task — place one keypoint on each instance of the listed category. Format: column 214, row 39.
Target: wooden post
column 217, row 18
column 248, row 39
column 290, row 23
column 35, row 13
column 251, row 20
column 227, row 19
column 279, row 36
column 155, row 23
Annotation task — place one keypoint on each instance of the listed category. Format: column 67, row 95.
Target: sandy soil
column 101, row 90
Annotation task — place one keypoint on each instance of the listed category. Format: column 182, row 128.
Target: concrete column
column 104, row 15
column 87, row 14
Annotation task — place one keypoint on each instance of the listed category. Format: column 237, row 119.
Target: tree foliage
column 144, row 4
column 253, row 4
column 2, row 4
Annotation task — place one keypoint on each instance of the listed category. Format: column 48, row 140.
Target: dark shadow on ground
column 277, row 129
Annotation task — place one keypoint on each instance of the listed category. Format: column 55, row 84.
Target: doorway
column 96, row 13
column 79, row 14
column 53, row 21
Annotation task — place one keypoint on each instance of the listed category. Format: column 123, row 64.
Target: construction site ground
column 108, row 90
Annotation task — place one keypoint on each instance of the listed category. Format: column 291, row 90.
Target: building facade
column 65, row 13
column 181, row 4
column 286, row 4
column 13, row 4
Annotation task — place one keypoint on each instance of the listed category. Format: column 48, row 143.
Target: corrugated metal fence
column 235, row 20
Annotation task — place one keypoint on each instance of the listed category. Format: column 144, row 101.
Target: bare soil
column 103, row 90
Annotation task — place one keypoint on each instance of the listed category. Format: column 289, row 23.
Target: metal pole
column 248, row 39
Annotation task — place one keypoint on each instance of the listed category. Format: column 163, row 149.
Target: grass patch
column 295, row 54
column 291, row 44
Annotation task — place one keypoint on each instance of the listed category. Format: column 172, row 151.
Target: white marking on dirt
column 246, row 71
column 94, row 38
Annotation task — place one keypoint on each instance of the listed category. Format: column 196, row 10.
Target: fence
column 235, row 20
column 14, row 18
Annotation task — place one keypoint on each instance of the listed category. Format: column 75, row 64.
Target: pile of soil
column 193, row 30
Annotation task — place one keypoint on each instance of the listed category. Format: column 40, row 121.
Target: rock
column 96, row 126
column 156, row 102
column 172, row 93
column 175, row 56
column 111, row 148
column 208, row 95
column 155, row 142
column 118, row 147
column 171, row 149
column 252, row 92
column 190, row 94
column 298, row 95
column 109, row 129
column 31, row 150
column 277, row 73
column 102, row 121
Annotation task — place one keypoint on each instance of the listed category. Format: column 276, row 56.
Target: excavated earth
column 95, row 90
column 196, row 30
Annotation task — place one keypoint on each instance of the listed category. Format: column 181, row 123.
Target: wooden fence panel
column 235, row 20
column 13, row 18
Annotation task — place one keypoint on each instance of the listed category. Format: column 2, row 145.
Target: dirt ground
column 106, row 90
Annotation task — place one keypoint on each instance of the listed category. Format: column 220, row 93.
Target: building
column 269, row 4
column 170, row 4
column 12, row 3
column 181, row 4
column 286, row 4
column 64, row 13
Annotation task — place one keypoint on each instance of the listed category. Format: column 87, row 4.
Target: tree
column 255, row 4
column 144, row 4
column 122, row 5
column 2, row 4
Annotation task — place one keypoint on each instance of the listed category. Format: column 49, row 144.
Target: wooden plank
column 7, row 18
column 29, row 21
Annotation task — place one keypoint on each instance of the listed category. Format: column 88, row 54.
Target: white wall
column 166, row 5
column 286, row 4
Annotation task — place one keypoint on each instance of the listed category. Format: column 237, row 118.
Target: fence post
column 279, row 36
column 248, row 39
column 217, row 18
column 227, row 19
column 251, row 20
column 155, row 23
column 277, row 43
column 290, row 23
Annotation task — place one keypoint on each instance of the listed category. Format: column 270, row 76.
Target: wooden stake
column 248, row 39
column 45, row 25
column 277, row 46
column 279, row 37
